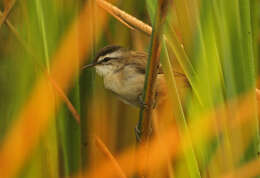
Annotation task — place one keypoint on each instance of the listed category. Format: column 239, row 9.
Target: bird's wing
column 141, row 63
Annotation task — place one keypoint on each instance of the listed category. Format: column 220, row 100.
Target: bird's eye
column 106, row 59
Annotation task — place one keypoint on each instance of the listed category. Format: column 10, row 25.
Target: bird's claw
column 138, row 134
column 146, row 106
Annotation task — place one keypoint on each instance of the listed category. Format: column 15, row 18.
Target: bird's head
column 108, row 60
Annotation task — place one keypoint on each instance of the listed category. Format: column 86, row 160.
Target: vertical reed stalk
column 145, row 121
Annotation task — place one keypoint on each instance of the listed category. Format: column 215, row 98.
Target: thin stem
column 44, row 36
column 145, row 120
column 152, row 67
column 109, row 155
column 7, row 12
column 125, row 18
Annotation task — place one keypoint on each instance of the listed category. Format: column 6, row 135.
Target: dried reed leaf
column 125, row 18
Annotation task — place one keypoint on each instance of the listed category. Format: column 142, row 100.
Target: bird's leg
column 155, row 100
column 143, row 105
column 138, row 134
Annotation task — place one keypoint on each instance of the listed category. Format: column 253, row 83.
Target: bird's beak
column 88, row 66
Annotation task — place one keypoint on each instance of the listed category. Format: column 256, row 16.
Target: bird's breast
column 128, row 85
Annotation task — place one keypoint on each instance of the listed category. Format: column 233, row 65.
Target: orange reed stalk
column 61, row 93
column 34, row 117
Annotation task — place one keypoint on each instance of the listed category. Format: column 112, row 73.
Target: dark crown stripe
column 106, row 50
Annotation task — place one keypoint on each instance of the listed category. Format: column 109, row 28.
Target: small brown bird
column 124, row 70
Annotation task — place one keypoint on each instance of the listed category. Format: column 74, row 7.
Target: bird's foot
column 138, row 134
column 147, row 106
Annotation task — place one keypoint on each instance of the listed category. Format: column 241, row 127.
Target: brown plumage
column 124, row 70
